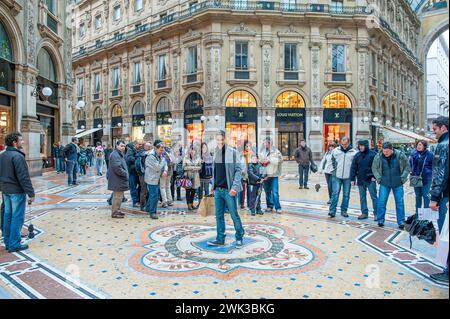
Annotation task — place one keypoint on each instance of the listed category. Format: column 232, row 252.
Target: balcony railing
column 116, row 93
column 137, row 88
column 221, row 5
column 96, row 96
column 341, row 77
column 291, row 75
column 193, row 79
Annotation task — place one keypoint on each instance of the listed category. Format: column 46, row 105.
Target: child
column 255, row 179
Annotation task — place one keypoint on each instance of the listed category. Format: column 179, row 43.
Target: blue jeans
column 99, row 165
column 442, row 212
column 133, row 182
column 71, row 172
column 422, row 192
column 59, row 164
column 337, row 183
column 399, row 203
column 271, row 187
column 303, row 171
column 372, row 188
column 14, row 218
column 153, row 198
column 223, row 200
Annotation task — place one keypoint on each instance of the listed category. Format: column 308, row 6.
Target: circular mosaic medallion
column 182, row 249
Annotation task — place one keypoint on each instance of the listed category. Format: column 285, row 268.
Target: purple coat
column 417, row 162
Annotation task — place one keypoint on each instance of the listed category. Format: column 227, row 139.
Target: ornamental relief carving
column 266, row 75
column 208, row 82
column 31, row 32
column 315, row 81
column 176, row 75
column 216, row 78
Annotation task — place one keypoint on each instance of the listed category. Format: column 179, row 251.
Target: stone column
column 213, row 106
column 362, row 129
column 28, row 124
column 314, row 115
column 266, row 116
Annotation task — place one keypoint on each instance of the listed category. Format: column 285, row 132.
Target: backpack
column 139, row 163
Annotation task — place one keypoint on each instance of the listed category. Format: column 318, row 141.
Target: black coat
column 362, row 165
column 117, row 172
column 14, row 174
column 130, row 158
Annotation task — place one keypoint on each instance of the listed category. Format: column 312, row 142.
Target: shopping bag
column 442, row 249
column 207, row 206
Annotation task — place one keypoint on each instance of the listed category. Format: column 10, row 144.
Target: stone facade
column 31, row 26
column 380, row 77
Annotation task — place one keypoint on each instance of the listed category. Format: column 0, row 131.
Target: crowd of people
column 155, row 174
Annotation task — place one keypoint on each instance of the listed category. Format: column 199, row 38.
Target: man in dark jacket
column 362, row 170
column 141, row 156
column 71, row 157
column 439, row 184
column 15, row 183
column 130, row 158
column 391, row 169
column 303, row 156
column 58, row 157
column 118, row 178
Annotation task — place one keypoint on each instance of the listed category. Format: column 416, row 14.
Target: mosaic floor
column 80, row 252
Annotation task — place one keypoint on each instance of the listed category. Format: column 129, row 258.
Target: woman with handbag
column 326, row 167
column 421, row 161
column 206, row 171
column 192, row 164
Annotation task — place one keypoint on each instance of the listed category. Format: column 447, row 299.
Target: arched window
column 241, row 99
column 193, row 101
column 46, row 66
column 401, row 116
column 5, row 44
column 117, row 111
column 81, row 115
column 393, row 112
column 337, row 100
column 138, row 108
column 98, row 114
column 163, row 105
column 289, row 99
column 372, row 104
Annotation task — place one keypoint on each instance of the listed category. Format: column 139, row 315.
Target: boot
column 117, row 215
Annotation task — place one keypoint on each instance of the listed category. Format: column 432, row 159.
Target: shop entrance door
column 287, row 143
column 334, row 132
column 195, row 133
column 237, row 133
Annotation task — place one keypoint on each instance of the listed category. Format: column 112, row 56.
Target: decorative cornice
column 263, row 43
column 212, row 40
column 13, row 6
column 161, row 45
column 242, row 30
column 191, row 35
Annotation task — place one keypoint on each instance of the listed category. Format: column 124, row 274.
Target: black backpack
column 423, row 229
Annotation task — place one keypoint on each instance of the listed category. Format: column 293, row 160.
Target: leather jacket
column 439, row 184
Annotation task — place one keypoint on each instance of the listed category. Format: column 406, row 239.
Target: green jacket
column 377, row 165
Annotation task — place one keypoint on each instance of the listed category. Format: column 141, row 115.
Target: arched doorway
column 193, row 112
column 138, row 122
column 7, row 86
column 290, row 122
column 47, row 109
column 164, row 120
column 116, row 124
column 81, row 120
column 241, row 118
column 337, row 117
column 98, row 123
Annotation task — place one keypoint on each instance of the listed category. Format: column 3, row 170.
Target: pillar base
column 31, row 130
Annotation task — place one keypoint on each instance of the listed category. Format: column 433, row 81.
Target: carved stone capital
column 263, row 43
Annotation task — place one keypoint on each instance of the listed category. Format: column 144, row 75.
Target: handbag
column 313, row 167
column 207, row 206
column 417, row 181
column 184, row 182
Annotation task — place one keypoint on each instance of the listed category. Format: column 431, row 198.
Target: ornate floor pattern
column 80, row 252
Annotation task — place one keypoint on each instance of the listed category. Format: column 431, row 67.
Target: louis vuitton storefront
column 337, row 118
